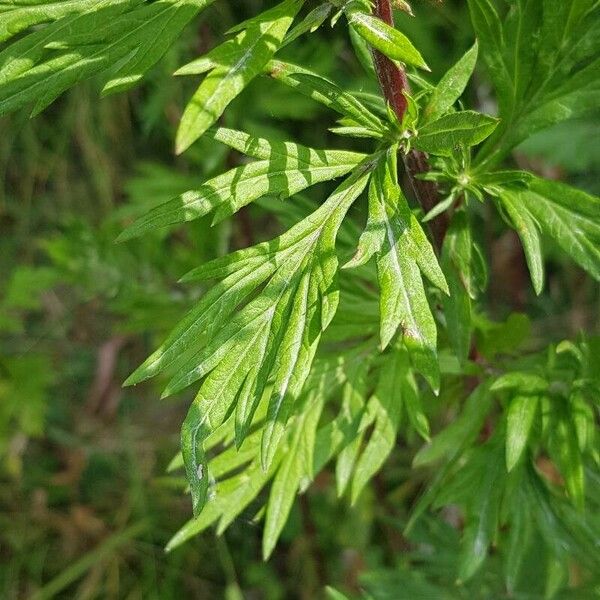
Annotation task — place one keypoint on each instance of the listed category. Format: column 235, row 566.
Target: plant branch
column 393, row 82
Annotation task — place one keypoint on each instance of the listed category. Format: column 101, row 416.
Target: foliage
column 359, row 327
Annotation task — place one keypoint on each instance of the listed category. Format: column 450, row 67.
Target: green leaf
column 456, row 263
column 384, row 38
column 518, row 538
column 121, row 41
column 311, row 22
column 519, row 421
column 444, row 135
column 525, row 225
column 564, row 447
column 326, row 92
column 403, row 251
column 488, row 28
column 272, row 339
column 452, row 85
column 333, row 594
column 411, row 402
column 246, row 55
column 21, row 16
column 386, row 405
column 460, row 433
column 285, row 169
column 522, row 381
column 352, row 422
column 538, row 84
column 483, row 516
column 196, row 465
column 569, row 216
column 288, row 478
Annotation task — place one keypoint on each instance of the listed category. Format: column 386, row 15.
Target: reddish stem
column 393, row 82
column 392, row 78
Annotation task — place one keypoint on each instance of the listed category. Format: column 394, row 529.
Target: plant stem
column 393, row 82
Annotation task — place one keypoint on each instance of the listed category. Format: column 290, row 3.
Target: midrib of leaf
column 497, row 145
column 413, row 330
column 214, row 197
column 552, row 216
column 215, row 400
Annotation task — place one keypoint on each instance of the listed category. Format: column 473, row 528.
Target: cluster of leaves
column 302, row 362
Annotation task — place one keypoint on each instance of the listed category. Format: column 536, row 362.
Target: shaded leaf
column 455, row 130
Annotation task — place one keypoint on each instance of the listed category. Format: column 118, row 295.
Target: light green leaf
column 288, row 478
column 444, row 135
column 120, row 40
column 311, row 22
column 278, row 332
column 247, row 54
column 19, row 16
column 384, row 38
column 456, row 262
column 326, row 92
column 404, row 250
column 286, row 169
column 519, row 421
column 333, row 594
column 452, row 85
column 522, row 381
column 386, row 406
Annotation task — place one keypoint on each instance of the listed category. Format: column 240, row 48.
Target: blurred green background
column 86, row 505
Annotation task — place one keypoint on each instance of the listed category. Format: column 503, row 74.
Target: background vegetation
column 86, row 505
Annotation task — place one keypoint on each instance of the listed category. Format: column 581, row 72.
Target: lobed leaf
column 570, row 217
column 119, row 40
column 394, row 235
column 284, row 170
column 326, row 92
column 240, row 60
column 452, row 85
column 455, row 130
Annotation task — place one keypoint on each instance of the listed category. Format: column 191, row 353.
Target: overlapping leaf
column 455, row 130
column 17, row 16
column 282, row 169
column 538, row 84
column 236, row 63
column 402, row 251
column 119, row 40
column 452, row 85
column 567, row 215
column 271, row 340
